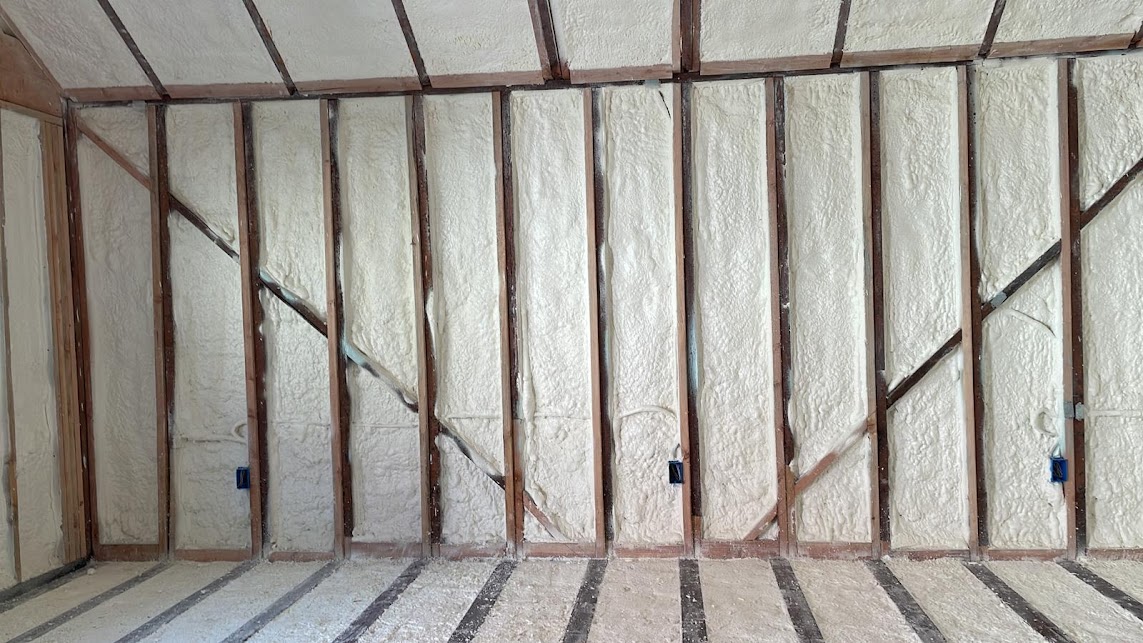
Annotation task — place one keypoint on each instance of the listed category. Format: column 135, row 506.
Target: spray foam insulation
column 1021, row 353
column 879, row 25
column 380, row 318
column 464, row 313
column 125, row 129
column 599, row 34
column 1049, row 19
column 552, row 320
column 848, row 603
column 827, row 302
column 639, row 264
column 736, row 30
column 198, row 43
column 287, row 152
column 1110, row 102
column 209, row 430
column 921, row 246
column 463, row 37
column 117, row 256
column 733, row 332
column 77, row 43
column 342, row 39
column 31, row 349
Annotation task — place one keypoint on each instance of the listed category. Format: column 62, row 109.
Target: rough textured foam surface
column 732, row 316
column 1112, row 255
column 960, row 605
column 878, row 25
column 1018, row 167
column 1079, row 610
column 125, row 129
column 117, row 256
column 1127, row 575
column 77, row 43
column 209, row 431
column 461, row 37
column 827, row 302
column 639, row 267
column 198, row 43
column 1110, row 100
column 736, row 30
column 103, row 577
column 536, row 602
column 552, row 321
column 1045, row 19
column 338, row 39
column 433, row 605
column 464, row 310
column 380, row 318
column 848, row 604
column 200, row 153
column 598, row 34
column 1021, row 376
column 743, row 603
column 638, row 601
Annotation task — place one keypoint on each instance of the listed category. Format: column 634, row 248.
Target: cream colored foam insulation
column 198, row 43
column 599, row 34
column 848, row 604
column 879, row 25
column 433, row 605
column 125, row 129
column 735, row 30
column 1046, row 19
column 1076, row 608
column 1021, row 355
column 1127, row 575
column 45, row 607
column 463, row 37
column 338, row 39
column 638, row 263
column 552, row 321
column 464, row 311
column 1112, row 255
column 1017, row 127
column 638, row 601
column 329, row 608
column 827, row 302
column 536, row 602
column 200, row 153
column 117, row 254
column 921, row 246
column 287, row 145
column 380, row 318
column 77, row 43
column 31, row 348
column 1110, row 97
column 959, row 604
column 732, row 316
column 743, row 603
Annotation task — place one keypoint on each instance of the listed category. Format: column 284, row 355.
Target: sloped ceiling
column 202, row 48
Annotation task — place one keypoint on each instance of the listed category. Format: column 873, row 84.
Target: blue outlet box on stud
column 1059, row 469
column 242, row 477
column 675, row 472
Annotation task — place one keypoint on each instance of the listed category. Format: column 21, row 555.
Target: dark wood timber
column 839, row 35
column 13, row 504
column 904, row 386
column 603, row 297
column 690, row 31
column 164, row 313
column 271, row 48
column 796, row 604
column 25, row 591
column 249, row 241
column 339, row 409
column 990, row 31
column 546, row 45
column 583, row 610
column 690, row 598
column 482, row 605
column 682, row 377
column 383, row 602
column 1110, row 195
column 411, row 42
column 1033, row 617
column 780, row 314
column 128, row 40
column 1121, row 598
column 251, row 627
column 915, row 616
column 691, row 356
column 145, row 630
column 595, row 290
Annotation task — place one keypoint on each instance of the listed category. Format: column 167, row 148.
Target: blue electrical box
column 242, row 477
column 675, row 471
column 1059, row 469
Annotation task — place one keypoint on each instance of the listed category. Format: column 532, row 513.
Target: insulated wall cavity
column 921, row 201
column 638, row 265
column 465, row 315
column 121, row 344
column 1021, row 350
column 828, row 400
column 733, row 312
column 288, row 170
column 209, row 431
column 1110, row 97
column 553, row 324
column 31, row 349
column 380, row 319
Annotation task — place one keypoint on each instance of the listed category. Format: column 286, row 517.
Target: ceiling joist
column 113, row 16
column 271, row 48
column 411, row 42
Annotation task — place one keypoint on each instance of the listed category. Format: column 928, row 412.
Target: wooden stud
column 990, row 31
column 13, row 508
column 546, row 45
column 339, row 402
column 249, row 240
column 411, row 42
column 839, row 33
column 599, row 210
column 595, row 288
column 212, row 555
column 128, row 552
column 780, row 313
column 690, row 12
column 128, row 40
column 681, row 375
column 271, row 48
column 1111, row 194
column 163, row 313
column 689, row 356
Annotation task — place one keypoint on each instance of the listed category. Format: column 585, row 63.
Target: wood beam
column 339, row 402
column 690, row 27
column 839, row 34
column 271, row 48
column 595, row 289
column 1111, row 194
column 599, row 211
column 682, row 393
column 249, row 242
column 546, row 45
column 129, row 41
column 411, row 42
column 24, row 86
column 689, row 354
column 13, row 502
column 990, row 30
